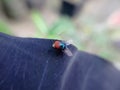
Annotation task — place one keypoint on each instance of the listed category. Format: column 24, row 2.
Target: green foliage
column 59, row 28
column 42, row 29
column 4, row 28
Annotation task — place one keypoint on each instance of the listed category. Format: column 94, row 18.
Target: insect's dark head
column 63, row 46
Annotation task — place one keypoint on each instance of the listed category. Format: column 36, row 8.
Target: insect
column 62, row 46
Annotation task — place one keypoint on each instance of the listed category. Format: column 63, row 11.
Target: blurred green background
column 93, row 25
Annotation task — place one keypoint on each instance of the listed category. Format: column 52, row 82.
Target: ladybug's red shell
column 56, row 44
